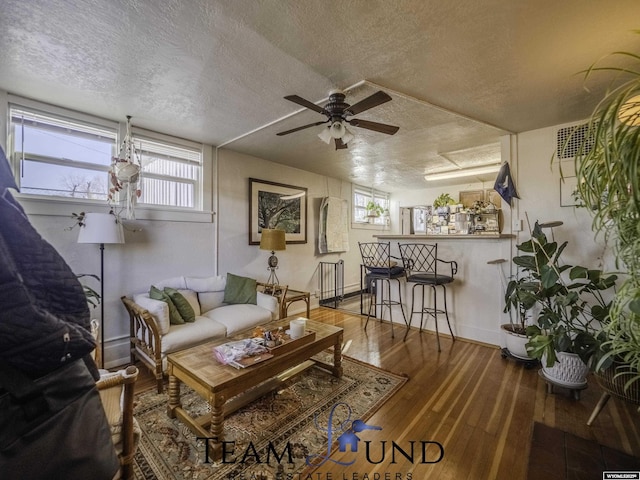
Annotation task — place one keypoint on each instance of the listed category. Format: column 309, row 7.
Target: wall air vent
column 571, row 140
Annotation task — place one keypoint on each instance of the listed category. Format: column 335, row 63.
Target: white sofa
column 153, row 337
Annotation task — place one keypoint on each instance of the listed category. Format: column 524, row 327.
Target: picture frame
column 277, row 205
column 568, row 187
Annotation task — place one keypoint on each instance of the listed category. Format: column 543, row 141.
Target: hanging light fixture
column 336, row 130
column 124, row 176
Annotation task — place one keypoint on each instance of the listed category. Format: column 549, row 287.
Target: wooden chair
column 96, row 354
column 116, row 392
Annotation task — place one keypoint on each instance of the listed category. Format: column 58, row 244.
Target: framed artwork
column 276, row 205
column 569, row 192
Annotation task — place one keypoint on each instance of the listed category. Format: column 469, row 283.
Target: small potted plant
column 569, row 308
column 373, row 209
column 519, row 300
column 442, row 203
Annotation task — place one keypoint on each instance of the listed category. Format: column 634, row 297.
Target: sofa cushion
column 157, row 308
column 239, row 317
column 187, row 335
column 182, row 304
column 239, row 290
column 174, row 316
column 192, row 298
column 206, row 284
column 175, row 282
column 210, row 300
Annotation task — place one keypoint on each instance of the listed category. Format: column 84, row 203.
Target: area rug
column 559, row 455
column 277, row 436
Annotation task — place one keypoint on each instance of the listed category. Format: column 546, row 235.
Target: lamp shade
column 272, row 239
column 100, row 228
column 325, row 134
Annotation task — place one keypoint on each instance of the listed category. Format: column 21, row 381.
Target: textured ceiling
column 217, row 71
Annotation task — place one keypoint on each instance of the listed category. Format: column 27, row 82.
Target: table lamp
column 273, row 239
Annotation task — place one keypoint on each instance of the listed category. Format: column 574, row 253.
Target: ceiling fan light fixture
column 348, row 136
column 325, row 135
column 463, row 172
column 337, row 129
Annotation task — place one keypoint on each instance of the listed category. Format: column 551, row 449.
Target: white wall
column 298, row 264
column 538, row 184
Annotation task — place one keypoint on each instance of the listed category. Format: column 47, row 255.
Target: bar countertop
column 484, row 236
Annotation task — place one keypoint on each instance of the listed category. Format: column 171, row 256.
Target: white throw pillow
column 157, row 308
column 175, row 282
column 206, row 284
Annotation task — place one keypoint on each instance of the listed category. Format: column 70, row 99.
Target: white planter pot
column 515, row 342
column 569, row 370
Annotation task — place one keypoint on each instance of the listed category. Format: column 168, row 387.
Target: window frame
column 381, row 223
column 35, row 204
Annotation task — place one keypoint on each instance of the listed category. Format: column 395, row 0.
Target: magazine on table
column 242, row 353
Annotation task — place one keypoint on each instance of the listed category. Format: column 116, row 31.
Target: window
column 171, row 171
column 58, row 156
column 361, row 197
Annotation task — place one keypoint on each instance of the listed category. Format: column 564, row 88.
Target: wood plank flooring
column 477, row 405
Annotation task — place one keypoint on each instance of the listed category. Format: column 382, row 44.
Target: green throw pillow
column 240, row 290
column 174, row 314
column 182, row 304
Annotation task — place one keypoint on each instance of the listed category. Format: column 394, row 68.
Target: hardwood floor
column 477, row 405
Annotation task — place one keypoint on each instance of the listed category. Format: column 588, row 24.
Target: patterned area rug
column 277, row 436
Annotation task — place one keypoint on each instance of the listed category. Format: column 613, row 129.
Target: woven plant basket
column 614, row 384
column 569, row 370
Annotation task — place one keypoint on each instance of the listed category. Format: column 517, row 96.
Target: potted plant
column 569, row 308
column 608, row 182
column 373, row 209
column 518, row 300
column 93, row 297
column 442, row 203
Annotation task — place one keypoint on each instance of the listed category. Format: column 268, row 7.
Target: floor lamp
column 272, row 239
column 101, row 228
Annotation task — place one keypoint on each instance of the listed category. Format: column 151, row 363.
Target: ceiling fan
column 337, row 111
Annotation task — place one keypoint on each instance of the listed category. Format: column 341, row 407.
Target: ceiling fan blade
column 286, row 132
column 375, row 126
column 305, row 103
column 340, row 144
column 371, row 101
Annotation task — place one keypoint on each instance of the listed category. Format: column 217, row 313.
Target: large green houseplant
column 569, row 302
column 608, row 169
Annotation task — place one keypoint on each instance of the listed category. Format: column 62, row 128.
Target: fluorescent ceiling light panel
column 463, row 172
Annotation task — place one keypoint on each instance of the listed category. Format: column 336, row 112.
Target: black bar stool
column 381, row 269
column 420, row 261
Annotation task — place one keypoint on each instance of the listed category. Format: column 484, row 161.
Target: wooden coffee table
column 198, row 368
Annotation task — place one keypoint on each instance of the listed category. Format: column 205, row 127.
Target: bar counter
column 476, row 297
column 408, row 238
